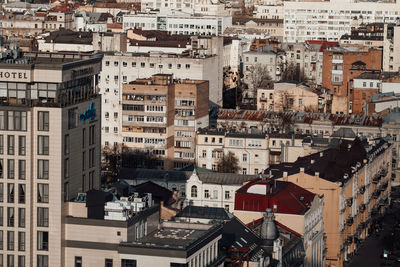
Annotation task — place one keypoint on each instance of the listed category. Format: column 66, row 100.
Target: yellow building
column 354, row 179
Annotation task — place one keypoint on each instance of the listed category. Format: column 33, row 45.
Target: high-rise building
column 160, row 116
column 49, row 149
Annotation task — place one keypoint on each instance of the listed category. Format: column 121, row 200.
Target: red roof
column 280, row 196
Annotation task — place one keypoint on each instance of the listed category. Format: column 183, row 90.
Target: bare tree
column 292, row 72
column 111, row 163
column 256, row 74
column 228, row 163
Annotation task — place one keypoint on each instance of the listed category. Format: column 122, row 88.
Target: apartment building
column 119, row 69
column 177, row 22
column 293, row 206
column 251, row 150
column 362, row 88
column 256, row 27
column 268, row 9
column 391, row 47
column 330, row 20
column 50, row 150
column 355, row 179
column 370, row 35
column 340, row 66
column 160, row 116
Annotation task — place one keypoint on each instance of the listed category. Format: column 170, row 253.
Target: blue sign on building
column 90, row 113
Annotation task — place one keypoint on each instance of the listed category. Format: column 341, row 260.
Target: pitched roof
column 344, row 133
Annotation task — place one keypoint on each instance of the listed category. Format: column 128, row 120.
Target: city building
column 341, row 65
column 391, row 47
column 293, row 206
column 138, row 240
column 177, row 22
column 121, row 68
column 330, row 20
column 369, row 35
column 251, row 150
column 252, row 26
column 161, row 115
column 362, row 88
column 214, row 189
column 355, row 179
column 50, row 135
column 65, row 41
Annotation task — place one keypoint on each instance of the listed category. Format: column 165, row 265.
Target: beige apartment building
column 161, row 115
column 49, row 150
column 355, row 181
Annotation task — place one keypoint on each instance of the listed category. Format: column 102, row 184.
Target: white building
column 214, row 189
column 330, row 20
column 122, row 68
column 268, row 9
column 124, row 208
column 177, row 22
column 391, row 48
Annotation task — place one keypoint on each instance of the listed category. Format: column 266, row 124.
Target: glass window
column 43, row 240
column 21, row 169
column 21, row 260
column 78, row 261
column 43, row 193
column 10, row 259
column 10, row 169
column 43, row 169
column 1, row 243
column 21, row 145
column 108, row 263
column 21, row 241
column 10, row 144
column 10, row 217
column 1, row 192
column 43, row 121
column 194, row 191
column 66, row 144
column 128, row 263
column 43, row 217
column 21, row 193
column 21, row 217
column 10, row 193
column 43, row 145
column 10, row 240
column 42, row 261
column 1, row 144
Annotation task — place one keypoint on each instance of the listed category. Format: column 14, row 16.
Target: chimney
column 301, row 169
column 285, row 174
column 317, row 174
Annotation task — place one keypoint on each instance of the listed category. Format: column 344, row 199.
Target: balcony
column 376, row 178
column 349, row 240
column 349, row 202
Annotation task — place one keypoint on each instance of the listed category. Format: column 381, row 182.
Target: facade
column 330, row 20
column 251, row 150
column 119, row 69
column 293, row 206
column 160, row 115
column 50, row 134
column 362, row 88
column 256, row 27
column 179, row 23
column 356, row 185
column 214, row 189
column 391, row 47
column 340, row 66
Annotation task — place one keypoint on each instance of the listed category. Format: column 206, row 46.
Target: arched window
column 194, row 191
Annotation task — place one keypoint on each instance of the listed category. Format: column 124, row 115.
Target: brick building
column 341, row 65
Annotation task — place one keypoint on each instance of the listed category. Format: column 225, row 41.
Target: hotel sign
column 15, row 75
column 88, row 114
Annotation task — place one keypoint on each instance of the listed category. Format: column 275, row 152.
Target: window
column 107, row 63
column 78, row 261
column 66, row 168
column 204, row 153
column 364, row 96
column 178, row 66
column 10, row 240
column 21, row 193
column 1, row 216
column 10, row 169
column 205, row 139
column 10, row 144
column 42, row 240
column 10, row 193
column 43, row 145
column 21, row 169
column 244, row 157
column 72, row 118
column 84, row 137
column 128, row 263
column 244, row 171
column 42, row 261
column 21, row 261
column 255, row 171
column 227, row 195
column 1, row 192
column 43, row 121
column 1, row 243
column 21, row 217
column 115, row 63
column 1, row 144
column 43, row 169
column 91, row 135
column 206, row 193
column 133, row 64
column 108, row 263
column 142, row 64
column 10, row 217
column 43, row 217
column 43, row 193
column 66, row 144
column 21, row 241
column 21, row 145
column 10, row 260
column 194, row 191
